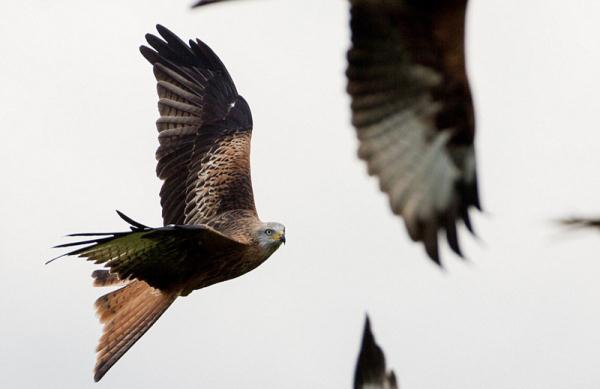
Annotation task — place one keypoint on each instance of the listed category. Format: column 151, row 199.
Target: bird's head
column 270, row 236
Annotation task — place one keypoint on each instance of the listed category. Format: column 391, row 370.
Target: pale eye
column 269, row 231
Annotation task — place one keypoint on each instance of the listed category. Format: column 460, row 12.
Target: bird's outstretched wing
column 579, row 222
column 412, row 108
column 370, row 370
column 204, row 132
column 205, row 2
column 162, row 257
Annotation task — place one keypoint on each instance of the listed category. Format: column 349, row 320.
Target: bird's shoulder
column 236, row 224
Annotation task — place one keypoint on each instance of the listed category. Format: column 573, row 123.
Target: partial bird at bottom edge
column 370, row 372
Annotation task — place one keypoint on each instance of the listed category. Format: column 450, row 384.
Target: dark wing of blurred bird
column 370, row 372
column 412, row 109
column 205, row 2
column 578, row 222
column 212, row 232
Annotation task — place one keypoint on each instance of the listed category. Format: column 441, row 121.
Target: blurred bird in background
column 212, row 231
column 581, row 222
column 413, row 112
column 370, row 372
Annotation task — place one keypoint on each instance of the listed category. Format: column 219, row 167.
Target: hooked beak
column 282, row 238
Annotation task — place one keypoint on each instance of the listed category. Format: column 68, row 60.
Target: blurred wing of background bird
column 412, row 108
column 578, row 222
column 204, row 132
column 205, row 2
column 370, row 370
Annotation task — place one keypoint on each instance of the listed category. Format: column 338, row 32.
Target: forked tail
column 126, row 313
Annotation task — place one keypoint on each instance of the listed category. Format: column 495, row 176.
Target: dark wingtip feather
column 467, row 220
column 131, row 221
column 435, row 258
column 210, row 59
column 430, row 240
column 159, row 27
column 60, row 246
column 172, row 39
column 205, row 2
column 579, row 222
column 91, row 234
column 102, row 237
column 393, row 380
column 150, row 55
column 91, row 243
column 54, row 259
column 371, row 360
column 150, row 37
column 167, row 34
column 452, row 237
column 156, row 43
column 433, row 253
column 175, row 52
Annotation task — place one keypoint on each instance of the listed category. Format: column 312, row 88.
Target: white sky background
column 78, row 106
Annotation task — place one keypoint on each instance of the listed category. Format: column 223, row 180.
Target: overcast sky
column 78, row 107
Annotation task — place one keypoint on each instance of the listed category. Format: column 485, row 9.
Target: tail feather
column 114, row 334
column 114, row 330
column 127, row 314
column 123, row 340
column 119, row 301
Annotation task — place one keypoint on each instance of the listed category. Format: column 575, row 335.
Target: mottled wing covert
column 412, row 108
column 370, row 370
column 204, row 132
